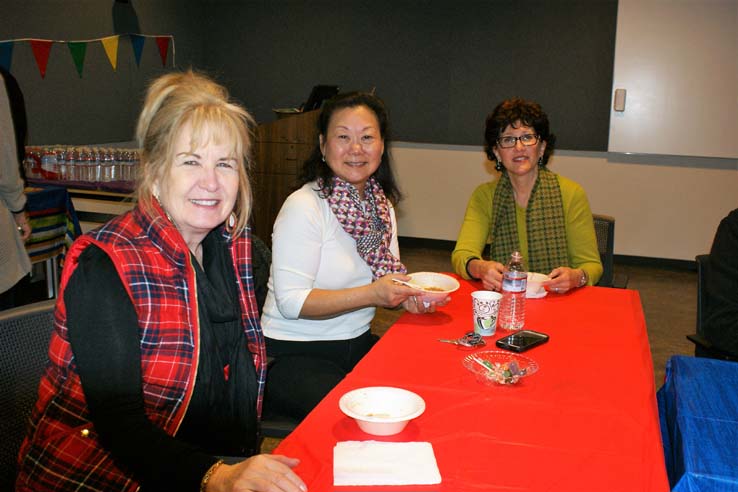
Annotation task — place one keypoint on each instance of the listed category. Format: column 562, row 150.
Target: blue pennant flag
column 137, row 42
column 6, row 54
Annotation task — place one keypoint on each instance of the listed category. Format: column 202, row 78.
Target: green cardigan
column 580, row 234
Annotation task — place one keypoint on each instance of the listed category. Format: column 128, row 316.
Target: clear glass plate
column 493, row 367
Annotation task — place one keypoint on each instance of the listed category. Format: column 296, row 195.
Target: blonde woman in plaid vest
column 157, row 361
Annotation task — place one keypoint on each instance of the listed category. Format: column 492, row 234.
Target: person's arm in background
column 18, row 114
column 11, row 182
column 474, row 230
column 466, row 258
column 580, row 233
column 721, row 324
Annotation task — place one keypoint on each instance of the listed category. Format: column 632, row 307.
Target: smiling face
column 198, row 190
column 353, row 145
column 520, row 160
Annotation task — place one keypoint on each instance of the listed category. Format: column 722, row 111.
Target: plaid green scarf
column 545, row 224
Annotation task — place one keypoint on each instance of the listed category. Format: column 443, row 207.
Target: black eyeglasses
column 528, row 139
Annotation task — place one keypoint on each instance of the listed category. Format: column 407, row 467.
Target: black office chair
column 24, row 341
column 261, row 261
column 272, row 424
column 702, row 346
column 605, row 232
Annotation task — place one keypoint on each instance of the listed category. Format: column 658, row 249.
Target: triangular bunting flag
column 78, row 51
column 137, row 42
column 6, row 54
column 41, row 50
column 163, row 43
column 111, row 49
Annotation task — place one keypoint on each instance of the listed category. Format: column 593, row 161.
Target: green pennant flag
column 78, row 49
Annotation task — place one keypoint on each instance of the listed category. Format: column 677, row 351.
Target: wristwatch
column 583, row 279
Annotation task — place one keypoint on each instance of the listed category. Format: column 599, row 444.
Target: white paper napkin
column 384, row 463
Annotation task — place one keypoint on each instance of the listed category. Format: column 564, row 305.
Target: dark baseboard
column 643, row 261
column 646, row 261
column 420, row 242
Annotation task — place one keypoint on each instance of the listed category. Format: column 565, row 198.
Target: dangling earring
column 323, row 158
column 158, row 200
column 498, row 165
column 231, row 222
column 540, row 161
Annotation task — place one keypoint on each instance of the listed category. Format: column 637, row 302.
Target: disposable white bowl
column 381, row 410
column 440, row 285
column 534, row 283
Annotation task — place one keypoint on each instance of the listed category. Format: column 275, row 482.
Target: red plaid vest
column 61, row 450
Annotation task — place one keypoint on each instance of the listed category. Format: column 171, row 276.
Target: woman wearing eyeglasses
column 528, row 208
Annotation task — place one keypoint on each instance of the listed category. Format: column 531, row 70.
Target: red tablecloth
column 586, row 421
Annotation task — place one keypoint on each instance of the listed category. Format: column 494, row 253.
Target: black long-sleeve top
column 721, row 324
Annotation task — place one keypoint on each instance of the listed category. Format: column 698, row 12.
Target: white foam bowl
column 534, row 283
column 444, row 284
column 381, row 410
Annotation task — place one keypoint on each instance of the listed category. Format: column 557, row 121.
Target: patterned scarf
column 545, row 224
column 367, row 222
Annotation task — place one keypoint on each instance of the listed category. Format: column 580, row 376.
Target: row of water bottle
column 85, row 164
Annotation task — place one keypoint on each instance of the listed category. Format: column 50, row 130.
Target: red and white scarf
column 368, row 222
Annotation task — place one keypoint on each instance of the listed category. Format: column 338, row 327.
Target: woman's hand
column 416, row 305
column 390, row 294
column 382, row 292
column 563, row 279
column 24, row 227
column 260, row 473
column 489, row 272
column 393, row 294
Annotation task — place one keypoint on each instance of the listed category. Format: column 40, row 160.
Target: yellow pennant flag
column 111, row 49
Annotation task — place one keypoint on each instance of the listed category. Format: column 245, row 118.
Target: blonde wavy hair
column 175, row 100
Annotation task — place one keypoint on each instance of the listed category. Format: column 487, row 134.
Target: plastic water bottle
column 512, row 307
column 49, row 166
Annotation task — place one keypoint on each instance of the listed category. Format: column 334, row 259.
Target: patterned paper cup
column 485, row 307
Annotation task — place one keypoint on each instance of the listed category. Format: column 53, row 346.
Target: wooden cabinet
column 280, row 148
column 678, row 64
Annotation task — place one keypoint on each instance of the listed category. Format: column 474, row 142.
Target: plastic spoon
column 408, row 284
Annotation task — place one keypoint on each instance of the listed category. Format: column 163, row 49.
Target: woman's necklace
column 522, row 188
column 521, row 198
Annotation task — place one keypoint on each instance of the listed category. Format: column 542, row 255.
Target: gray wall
column 440, row 66
column 101, row 106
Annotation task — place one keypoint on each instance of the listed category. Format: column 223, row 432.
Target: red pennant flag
column 41, row 50
column 163, row 43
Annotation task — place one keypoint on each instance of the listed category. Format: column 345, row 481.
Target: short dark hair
column 315, row 168
column 512, row 111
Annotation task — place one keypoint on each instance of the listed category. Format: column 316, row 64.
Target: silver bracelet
column 583, row 279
